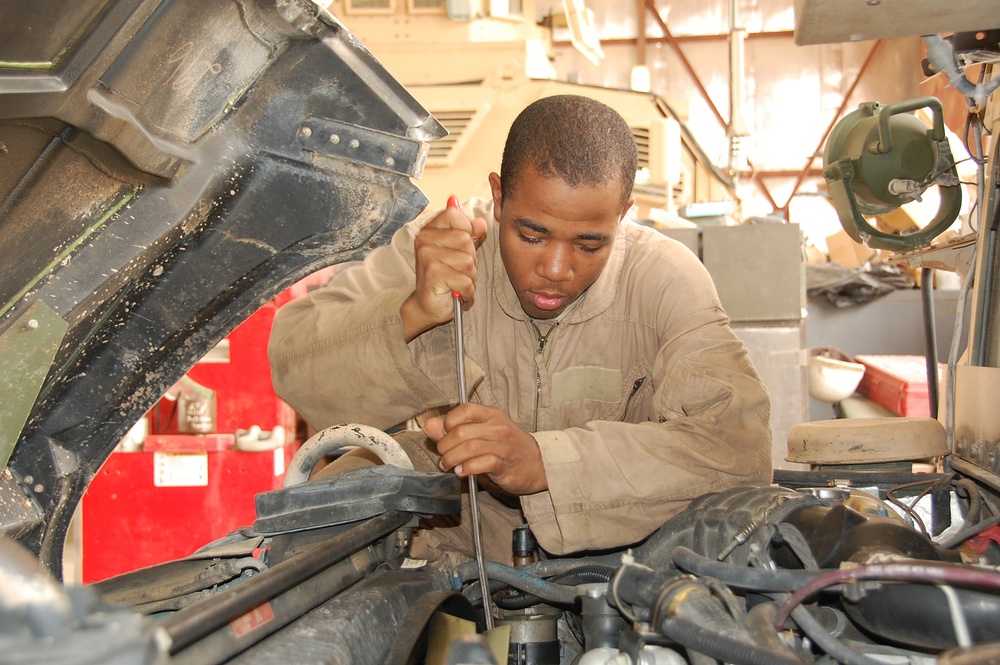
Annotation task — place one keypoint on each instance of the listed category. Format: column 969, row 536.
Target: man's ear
column 628, row 206
column 497, row 194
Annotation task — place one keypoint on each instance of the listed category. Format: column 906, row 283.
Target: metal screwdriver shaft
column 477, row 531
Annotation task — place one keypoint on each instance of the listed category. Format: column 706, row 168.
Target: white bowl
column 832, row 380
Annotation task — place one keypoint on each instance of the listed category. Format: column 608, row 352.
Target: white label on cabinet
column 180, row 469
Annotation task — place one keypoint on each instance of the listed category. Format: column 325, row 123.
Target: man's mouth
column 547, row 302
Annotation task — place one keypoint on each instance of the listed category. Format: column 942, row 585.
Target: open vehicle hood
column 166, row 167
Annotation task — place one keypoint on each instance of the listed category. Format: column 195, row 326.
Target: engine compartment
column 792, row 573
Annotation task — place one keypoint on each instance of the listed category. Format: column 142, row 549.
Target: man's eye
column 591, row 250
column 529, row 240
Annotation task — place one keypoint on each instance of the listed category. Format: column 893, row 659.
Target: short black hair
column 576, row 138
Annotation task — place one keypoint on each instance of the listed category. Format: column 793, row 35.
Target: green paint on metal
column 27, row 349
column 71, row 248
column 26, row 65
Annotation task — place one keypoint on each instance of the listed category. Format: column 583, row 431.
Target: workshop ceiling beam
column 680, row 39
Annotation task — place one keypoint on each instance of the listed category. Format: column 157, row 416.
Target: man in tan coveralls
column 608, row 389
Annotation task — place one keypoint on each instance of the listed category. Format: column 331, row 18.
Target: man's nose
column 556, row 265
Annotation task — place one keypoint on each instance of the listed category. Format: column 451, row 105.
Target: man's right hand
column 445, row 250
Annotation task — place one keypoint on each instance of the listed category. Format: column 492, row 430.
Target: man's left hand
column 474, row 439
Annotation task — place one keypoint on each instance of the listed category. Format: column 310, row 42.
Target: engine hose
column 957, row 539
column 743, row 577
column 970, row 490
column 557, row 594
column 550, row 567
column 671, row 594
column 546, row 569
column 827, row 642
column 720, row 646
column 583, row 575
column 335, row 438
column 760, row 622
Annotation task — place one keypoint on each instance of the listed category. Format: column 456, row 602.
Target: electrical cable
column 925, row 573
column 962, row 536
column 910, row 509
column 743, row 577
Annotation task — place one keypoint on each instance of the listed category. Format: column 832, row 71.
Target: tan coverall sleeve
column 708, row 430
column 338, row 355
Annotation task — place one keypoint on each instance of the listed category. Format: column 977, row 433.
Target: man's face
column 555, row 239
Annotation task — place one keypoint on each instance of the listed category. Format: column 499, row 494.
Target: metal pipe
column 640, row 33
column 224, row 643
column 930, row 337
column 675, row 44
column 192, row 623
column 983, row 351
column 685, row 62
column 680, row 39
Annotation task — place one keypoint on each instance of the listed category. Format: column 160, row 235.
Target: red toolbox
column 899, row 383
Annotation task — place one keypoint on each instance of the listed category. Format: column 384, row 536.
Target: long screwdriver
column 477, row 531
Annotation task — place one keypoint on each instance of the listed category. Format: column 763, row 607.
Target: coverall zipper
column 635, row 389
column 542, row 340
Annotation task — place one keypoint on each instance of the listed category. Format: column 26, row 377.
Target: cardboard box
column 899, row 383
column 845, row 252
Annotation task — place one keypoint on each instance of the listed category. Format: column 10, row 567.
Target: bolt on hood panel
column 164, row 171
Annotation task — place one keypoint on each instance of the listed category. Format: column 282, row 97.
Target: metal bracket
column 27, row 349
column 361, row 145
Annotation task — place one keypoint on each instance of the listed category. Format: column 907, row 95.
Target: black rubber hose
column 930, row 337
column 971, row 491
column 519, row 579
column 743, row 577
column 962, row 536
column 827, row 642
column 720, row 646
column 545, row 568
column 592, row 574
